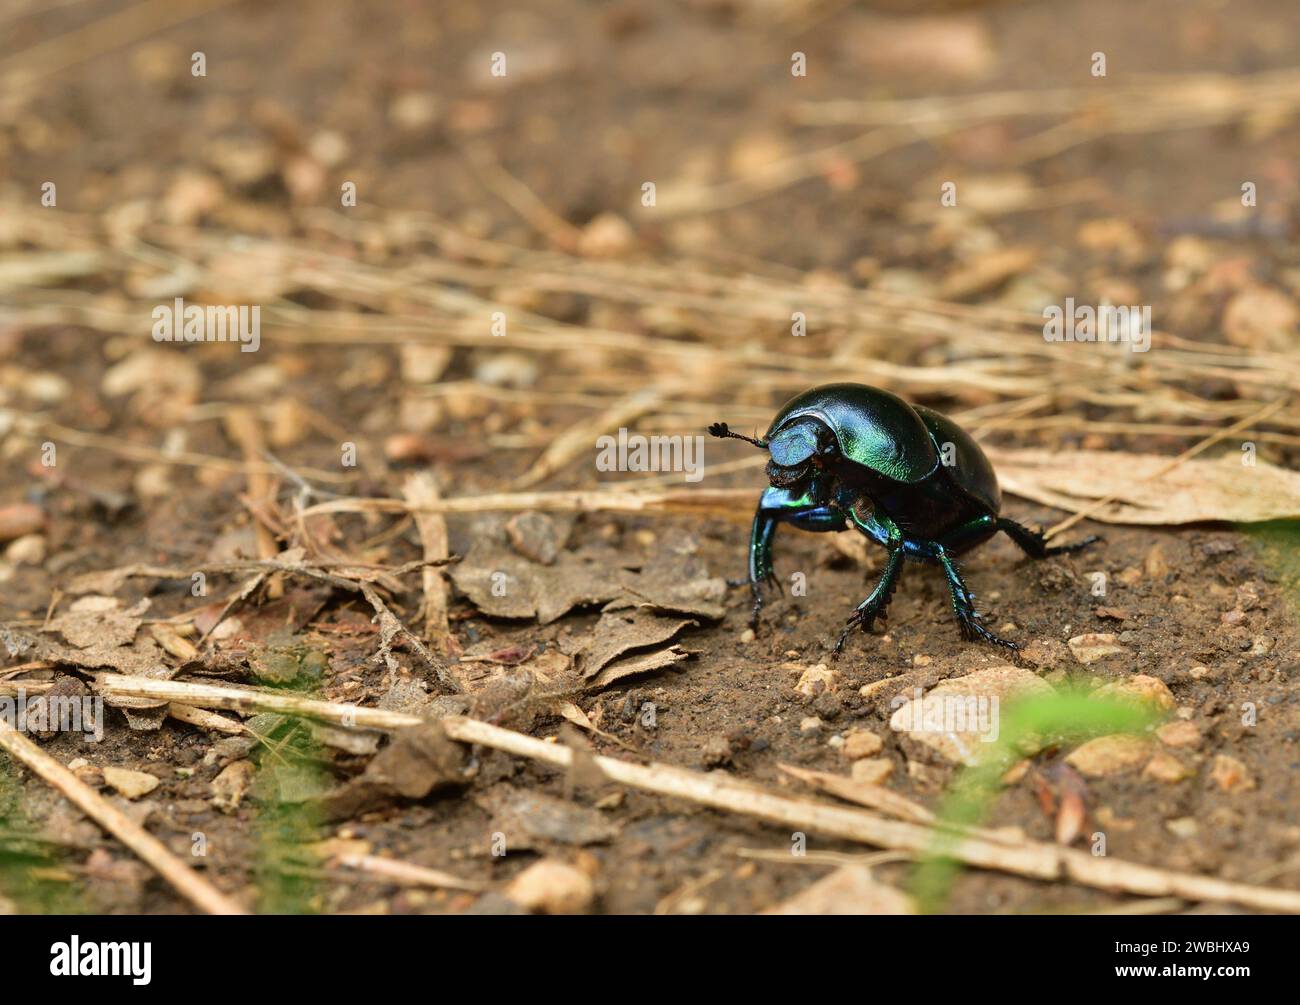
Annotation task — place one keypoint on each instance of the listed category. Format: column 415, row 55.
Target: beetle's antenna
column 720, row 430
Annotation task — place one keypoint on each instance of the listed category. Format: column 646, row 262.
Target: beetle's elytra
column 910, row 479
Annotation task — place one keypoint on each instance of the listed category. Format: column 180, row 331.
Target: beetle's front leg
column 760, row 559
column 781, row 506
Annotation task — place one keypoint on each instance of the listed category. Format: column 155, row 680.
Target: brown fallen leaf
column 92, row 622
column 1196, row 491
column 636, row 665
column 622, row 632
column 502, row 584
column 529, row 819
column 418, row 761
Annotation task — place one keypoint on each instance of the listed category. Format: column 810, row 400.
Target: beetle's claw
column 864, row 618
column 973, row 631
column 1065, row 549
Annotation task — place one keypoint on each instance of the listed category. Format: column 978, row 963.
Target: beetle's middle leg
column 963, row 603
column 1034, row 544
column 877, row 600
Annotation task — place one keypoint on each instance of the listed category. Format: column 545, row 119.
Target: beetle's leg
column 1035, row 545
column 877, row 600
column 760, row 559
column 963, row 604
column 781, row 506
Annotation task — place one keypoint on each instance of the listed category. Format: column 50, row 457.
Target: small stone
column 1231, row 775
column 1179, row 734
column 229, row 787
column 828, row 705
column 872, row 770
column 1260, row 646
column 716, row 752
column 414, row 111
column 861, row 743
column 607, row 235
column 537, row 536
column 1183, row 827
column 1110, row 755
column 1165, row 768
column 26, row 550
column 1261, row 318
column 959, row 715
column 810, row 724
column 552, row 887
column 132, row 784
column 1094, row 646
column 848, row 890
column 19, row 520
column 507, row 369
column 818, row 679
column 747, row 635
column 1130, row 576
column 1140, row 688
column 1044, row 653
column 920, row 660
column 1155, row 565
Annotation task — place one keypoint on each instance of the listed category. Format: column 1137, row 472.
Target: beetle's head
column 799, row 450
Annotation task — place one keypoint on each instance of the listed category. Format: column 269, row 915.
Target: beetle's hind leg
column 963, row 605
column 1034, row 544
column 877, row 600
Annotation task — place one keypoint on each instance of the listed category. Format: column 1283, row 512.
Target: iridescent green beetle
column 910, row 479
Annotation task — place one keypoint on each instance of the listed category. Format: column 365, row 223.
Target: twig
column 208, row 720
column 243, row 427
column 1030, row 858
column 420, row 489
column 719, row 502
column 406, row 874
column 1027, row 858
column 189, row 884
column 250, row 700
column 36, row 425
column 582, row 437
column 523, row 200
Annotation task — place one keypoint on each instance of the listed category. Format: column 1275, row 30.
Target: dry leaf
column 1196, row 491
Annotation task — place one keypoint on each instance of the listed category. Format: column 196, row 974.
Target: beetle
column 854, row 456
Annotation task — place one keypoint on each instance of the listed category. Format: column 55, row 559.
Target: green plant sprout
column 1072, row 715
column 26, row 867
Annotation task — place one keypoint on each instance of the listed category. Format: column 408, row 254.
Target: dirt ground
column 519, row 191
